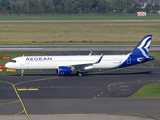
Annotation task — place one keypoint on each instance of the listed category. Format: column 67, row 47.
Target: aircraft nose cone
column 7, row 65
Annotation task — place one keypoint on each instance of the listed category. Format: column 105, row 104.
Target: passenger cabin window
column 14, row 61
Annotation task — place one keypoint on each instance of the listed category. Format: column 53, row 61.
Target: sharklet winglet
column 99, row 59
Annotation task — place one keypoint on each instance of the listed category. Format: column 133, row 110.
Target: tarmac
column 99, row 94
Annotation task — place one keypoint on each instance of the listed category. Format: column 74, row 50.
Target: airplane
column 66, row 65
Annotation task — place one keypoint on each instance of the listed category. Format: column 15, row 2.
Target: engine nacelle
column 63, row 70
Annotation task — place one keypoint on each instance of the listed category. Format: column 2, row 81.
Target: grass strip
column 74, row 43
column 77, row 33
column 149, row 90
column 78, row 17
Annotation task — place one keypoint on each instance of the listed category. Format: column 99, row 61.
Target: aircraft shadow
column 87, row 74
column 131, row 73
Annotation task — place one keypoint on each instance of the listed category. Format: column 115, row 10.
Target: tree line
column 73, row 6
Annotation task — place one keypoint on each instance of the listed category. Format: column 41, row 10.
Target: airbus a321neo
column 77, row 64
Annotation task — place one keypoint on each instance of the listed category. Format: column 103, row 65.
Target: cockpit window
column 14, row 61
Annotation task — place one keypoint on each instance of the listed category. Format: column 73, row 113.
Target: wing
column 68, row 69
column 82, row 66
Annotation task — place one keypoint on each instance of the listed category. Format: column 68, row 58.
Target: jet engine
column 63, row 70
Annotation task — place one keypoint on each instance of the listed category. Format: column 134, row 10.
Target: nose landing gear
column 22, row 73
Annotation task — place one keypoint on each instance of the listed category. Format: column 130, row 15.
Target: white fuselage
column 53, row 62
column 66, row 65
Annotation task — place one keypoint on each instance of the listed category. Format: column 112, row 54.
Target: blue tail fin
column 142, row 48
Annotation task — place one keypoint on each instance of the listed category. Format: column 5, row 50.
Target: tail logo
column 144, row 46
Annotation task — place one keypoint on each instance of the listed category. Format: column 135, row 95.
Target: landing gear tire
column 79, row 74
column 22, row 73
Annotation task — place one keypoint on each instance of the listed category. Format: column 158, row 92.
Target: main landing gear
column 79, row 73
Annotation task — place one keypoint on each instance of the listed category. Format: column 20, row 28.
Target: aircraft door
column 28, row 64
column 22, row 63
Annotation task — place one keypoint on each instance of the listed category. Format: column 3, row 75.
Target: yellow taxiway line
column 27, row 89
